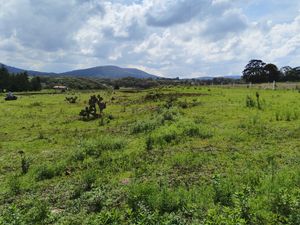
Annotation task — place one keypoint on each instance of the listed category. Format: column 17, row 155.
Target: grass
column 208, row 156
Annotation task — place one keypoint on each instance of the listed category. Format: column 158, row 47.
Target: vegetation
column 256, row 71
column 71, row 99
column 18, row 82
column 168, row 155
column 91, row 112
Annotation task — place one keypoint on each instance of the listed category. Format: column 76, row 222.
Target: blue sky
column 186, row 38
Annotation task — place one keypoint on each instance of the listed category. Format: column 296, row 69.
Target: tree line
column 18, row 82
column 257, row 71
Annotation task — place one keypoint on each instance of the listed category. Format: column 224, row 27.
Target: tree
column 255, row 71
column 4, row 78
column 36, row 84
column 272, row 72
column 290, row 74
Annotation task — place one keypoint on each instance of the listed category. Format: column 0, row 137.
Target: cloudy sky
column 185, row 38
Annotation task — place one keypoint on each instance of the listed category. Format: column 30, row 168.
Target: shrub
column 45, row 172
column 71, row 100
column 14, row 185
column 223, row 191
column 183, row 105
column 35, row 104
column 286, row 205
column 88, row 179
column 11, row 216
column 25, row 163
column 78, row 155
column 250, row 103
column 155, row 197
column 192, row 131
column 143, row 126
column 149, row 143
column 105, row 143
column 38, row 213
column 91, row 111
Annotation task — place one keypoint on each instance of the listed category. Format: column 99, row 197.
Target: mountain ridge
column 109, row 71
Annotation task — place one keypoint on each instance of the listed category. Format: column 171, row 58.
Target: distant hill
column 113, row 72
column 30, row 72
column 236, row 77
column 109, row 72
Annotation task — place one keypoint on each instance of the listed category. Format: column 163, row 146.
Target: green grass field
column 180, row 155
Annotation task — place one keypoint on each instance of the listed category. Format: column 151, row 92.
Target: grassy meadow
column 172, row 155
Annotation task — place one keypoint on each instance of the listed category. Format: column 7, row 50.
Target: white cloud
column 168, row 37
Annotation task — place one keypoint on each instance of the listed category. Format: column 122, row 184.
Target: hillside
column 112, row 72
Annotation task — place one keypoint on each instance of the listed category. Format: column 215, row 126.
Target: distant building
column 60, row 88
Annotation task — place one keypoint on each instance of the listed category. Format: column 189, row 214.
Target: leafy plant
column 94, row 110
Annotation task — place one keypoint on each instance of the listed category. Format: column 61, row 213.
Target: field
column 172, row 155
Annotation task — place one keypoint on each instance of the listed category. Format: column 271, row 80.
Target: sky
column 170, row 38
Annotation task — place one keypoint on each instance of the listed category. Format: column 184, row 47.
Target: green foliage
column 220, row 163
column 144, row 126
column 18, row 82
column 88, row 179
column 156, row 198
column 48, row 171
column 14, row 185
column 91, row 111
column 32, row 212
column 72, row 100
column 250, row 102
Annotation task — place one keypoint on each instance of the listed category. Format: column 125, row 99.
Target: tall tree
column 4, row 78
column 290, row 74
column 255, row 71
column 272, row 72
column 36, row 84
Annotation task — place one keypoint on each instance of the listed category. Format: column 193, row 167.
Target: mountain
column 109, row 72
column 113, row 72
column 235, row 77
column 30, row 72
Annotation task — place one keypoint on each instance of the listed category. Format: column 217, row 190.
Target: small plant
column 149, row 143
column 88, row 179
column 258, row 100
column 45, row 172
column 170, row 102
column 14, row 185
column 184, row 104
column 72, row 100
column 35, row 104
column 250, row 103
column 39, row 212
column 25, row 163
column 94, row 110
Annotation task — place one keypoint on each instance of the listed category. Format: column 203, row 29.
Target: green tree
column 36, row 84
column 272, row 72
column 4, row 78
column 255, row 71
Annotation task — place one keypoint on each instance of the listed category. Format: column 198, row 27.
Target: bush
column 149, row 143
column 223, row 191
column 154, row 197
column 105, row 143
column 88, row 179
column 250, row 102
column 38, row 213
column 143, row 126
column 45, row 172
column 14, row 185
